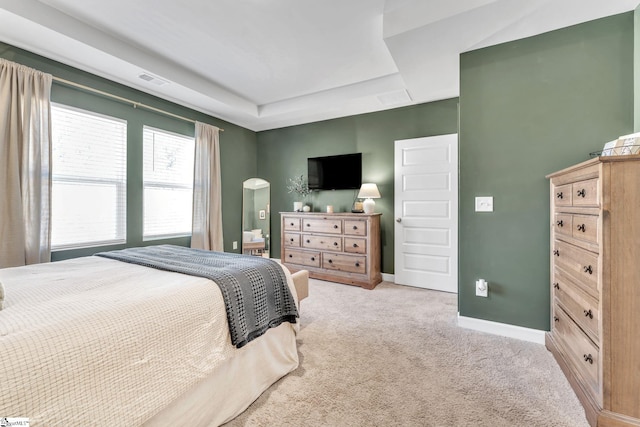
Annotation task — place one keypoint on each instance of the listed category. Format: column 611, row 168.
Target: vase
column 306, row 208
column 297, row 206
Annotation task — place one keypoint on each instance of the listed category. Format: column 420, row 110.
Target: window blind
column 89, row 178
column 168, row 183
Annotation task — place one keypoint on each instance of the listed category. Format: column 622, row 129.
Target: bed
column 97, row 341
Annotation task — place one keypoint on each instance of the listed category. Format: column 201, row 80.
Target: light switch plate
column 484, row 204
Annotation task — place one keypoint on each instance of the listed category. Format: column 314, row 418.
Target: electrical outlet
column 482, row 288
column 235, row 245
column 484, row 204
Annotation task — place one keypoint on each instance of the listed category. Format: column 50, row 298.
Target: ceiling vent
column 394, row 98
column 152, row 79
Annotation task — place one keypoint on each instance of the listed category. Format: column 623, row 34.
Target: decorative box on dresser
column 595, row 285
column 339, row 247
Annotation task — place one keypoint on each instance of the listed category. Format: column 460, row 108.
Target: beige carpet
column 395, row 357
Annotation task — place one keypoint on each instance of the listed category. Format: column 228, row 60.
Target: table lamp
column 369, row 191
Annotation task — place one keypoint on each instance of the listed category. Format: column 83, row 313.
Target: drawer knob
column 588, row 358
column 588, row 269
column 559, row 195
column 292, row 224
column 290, row 256
column 313, row 258
column 556, row 319
column 357, row 264
column 556, row 252
column 355, row 245
column 355, row 227
column 560, row 223
column 291, row 239
column 582, row 193
column 335, row 243
column 335, row 226
column 582, row 228
column 588, row 313
column 556, row 285
column 308, row 241
column 308, row 225
column 330, row 261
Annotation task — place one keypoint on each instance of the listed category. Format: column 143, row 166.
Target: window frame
column 121, row 186
column 163, row 185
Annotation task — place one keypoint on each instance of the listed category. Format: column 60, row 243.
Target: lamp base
column 369, row 206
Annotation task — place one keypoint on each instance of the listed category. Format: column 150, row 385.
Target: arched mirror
column 256, row 201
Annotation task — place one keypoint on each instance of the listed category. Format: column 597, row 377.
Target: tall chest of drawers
column 339, row 247
column 595, row 285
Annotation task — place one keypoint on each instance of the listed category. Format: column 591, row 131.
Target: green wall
column 283, row 154
column 237, row 145
column 528, row 108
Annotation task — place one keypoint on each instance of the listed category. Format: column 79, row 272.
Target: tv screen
column 343, row 172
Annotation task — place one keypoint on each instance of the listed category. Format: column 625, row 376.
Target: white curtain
column 207, row 189
column 25, row 159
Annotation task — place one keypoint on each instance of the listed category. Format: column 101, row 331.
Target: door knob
column 398, row 220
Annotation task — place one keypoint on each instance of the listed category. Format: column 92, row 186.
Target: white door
column 426, row 212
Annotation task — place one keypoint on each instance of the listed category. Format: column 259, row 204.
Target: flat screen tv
column 343, row 172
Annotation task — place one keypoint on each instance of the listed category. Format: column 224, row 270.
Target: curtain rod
column 122, row 99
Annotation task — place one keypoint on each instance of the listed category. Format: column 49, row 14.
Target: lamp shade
column 369, row 191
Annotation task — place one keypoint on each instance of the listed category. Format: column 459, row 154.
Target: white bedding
column 94, row 341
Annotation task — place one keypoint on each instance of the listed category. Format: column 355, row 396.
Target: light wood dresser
column 595, row 285
column 339, row 247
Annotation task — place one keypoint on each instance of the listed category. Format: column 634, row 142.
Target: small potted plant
column 299, row 186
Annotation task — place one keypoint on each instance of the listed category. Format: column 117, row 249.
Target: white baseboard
column 388, row 277
column 502, row 329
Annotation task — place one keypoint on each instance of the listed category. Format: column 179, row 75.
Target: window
column 89, row 168
column 168, row 184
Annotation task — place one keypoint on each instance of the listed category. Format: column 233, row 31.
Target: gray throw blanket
column 255, row 290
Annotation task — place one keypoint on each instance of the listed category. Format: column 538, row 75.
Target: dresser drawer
column 585, row 193
column 563, row 224
column 355, row 246
column 562, row 195
column 585, row 227
column 326, row 225
column 578, row 264
column 355, row 227
column 347, row 263
column 291, row 224
column 311, row 241
column 291, row 239
column 580, row 306
column 579, row 350
column 307, row 258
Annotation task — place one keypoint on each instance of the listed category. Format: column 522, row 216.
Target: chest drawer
column 291, row 224
column 333, row 243
column 333, row 226
column 355, row 246
column 585, row 227
column 585, row 193
column 564, row 224
column 355, row 227
column 582, row 354
column 563, row 195
column 578, row 264
column 307, row 258
column 347, row 263
column 582, row 308
column 291, row 239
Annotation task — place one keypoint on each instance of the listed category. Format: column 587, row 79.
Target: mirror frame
column 260, row 216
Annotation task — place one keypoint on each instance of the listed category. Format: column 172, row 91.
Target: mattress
column 94, row 341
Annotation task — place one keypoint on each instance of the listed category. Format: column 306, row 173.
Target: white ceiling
column 269, row 64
